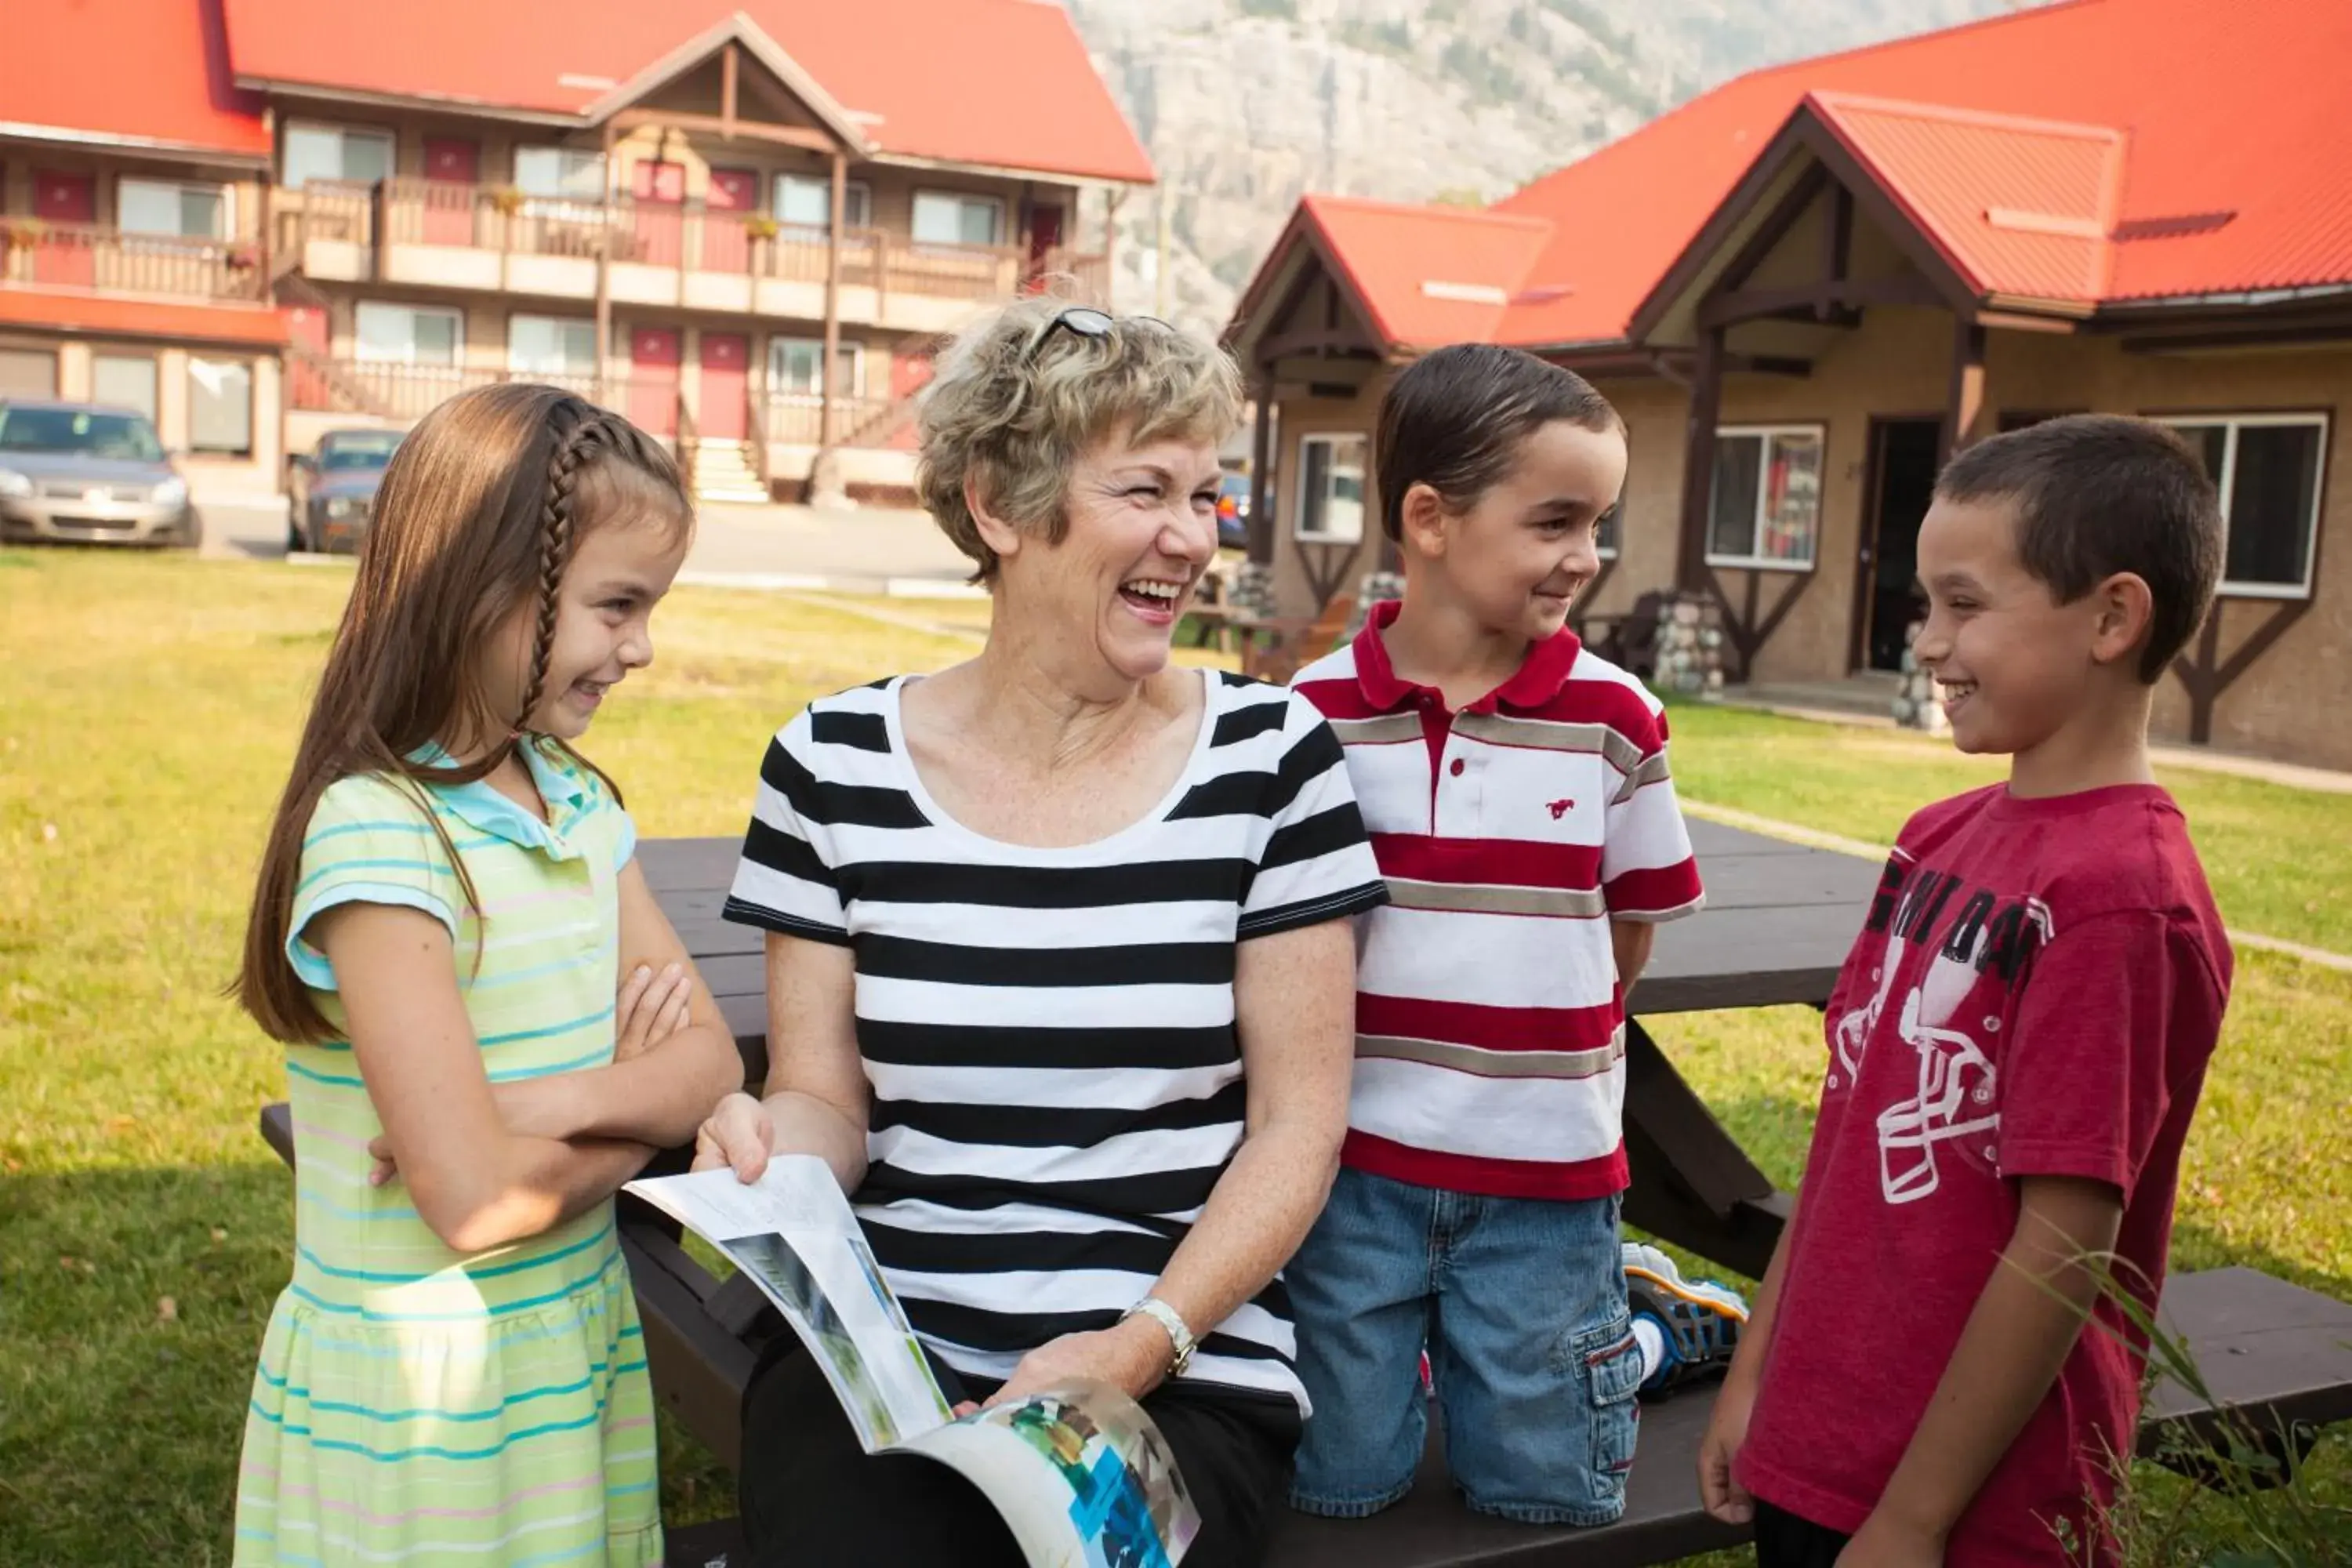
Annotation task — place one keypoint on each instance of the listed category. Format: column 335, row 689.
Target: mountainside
column 1246, row 104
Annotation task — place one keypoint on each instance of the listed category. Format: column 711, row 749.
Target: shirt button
column 1456, row 769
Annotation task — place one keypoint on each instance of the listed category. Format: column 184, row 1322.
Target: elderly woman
column 1060, row 972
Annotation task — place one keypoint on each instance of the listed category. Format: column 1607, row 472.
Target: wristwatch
column 1181, row 1337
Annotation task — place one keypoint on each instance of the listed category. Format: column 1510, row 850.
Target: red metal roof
column 2018, row 206
column 2231, row 160
column 1002, row 83
column 1428, row 275
column 151, row 71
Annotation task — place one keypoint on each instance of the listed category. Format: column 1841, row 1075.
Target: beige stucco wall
column 2290, row 703
column 1898, row 363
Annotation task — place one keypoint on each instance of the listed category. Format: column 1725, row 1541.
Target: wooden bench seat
column 2279, row 1354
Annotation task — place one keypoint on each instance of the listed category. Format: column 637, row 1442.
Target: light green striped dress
column 415, row 1405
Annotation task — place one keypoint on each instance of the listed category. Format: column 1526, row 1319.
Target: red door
column 726, row 358
column 653, row 379
column 660, row 193
column 307, row 325
column 65, row 199
column 1044, row 238
column 734, row 192
column 453, row 168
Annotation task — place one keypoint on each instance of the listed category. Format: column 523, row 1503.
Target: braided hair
column 582, row 432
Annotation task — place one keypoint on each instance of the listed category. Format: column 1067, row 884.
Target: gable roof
column 1418, row 276
column 901, row 72
column 2204, row 139
column 164, row 86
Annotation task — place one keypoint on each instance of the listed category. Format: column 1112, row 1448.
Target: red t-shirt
column 2035, row 993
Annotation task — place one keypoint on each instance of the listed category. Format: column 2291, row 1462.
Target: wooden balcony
column 38, row 254
column 682, row 256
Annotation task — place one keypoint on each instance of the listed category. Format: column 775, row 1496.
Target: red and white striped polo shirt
column 1490, row 1035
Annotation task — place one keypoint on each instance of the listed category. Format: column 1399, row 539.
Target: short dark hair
column 1455, row 419
column 2097, row 494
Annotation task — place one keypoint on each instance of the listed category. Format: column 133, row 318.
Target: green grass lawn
column 148, row 713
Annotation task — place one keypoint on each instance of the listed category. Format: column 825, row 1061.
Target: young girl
column 446, row 909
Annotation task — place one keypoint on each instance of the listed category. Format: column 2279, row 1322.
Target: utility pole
column 1161, row 203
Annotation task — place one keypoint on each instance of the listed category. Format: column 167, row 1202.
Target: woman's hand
column 1132, row 1356
column 652, row 1006
column 739, row 1135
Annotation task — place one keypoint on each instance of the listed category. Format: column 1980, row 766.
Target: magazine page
column 792, row 1232
column 1080, row 1474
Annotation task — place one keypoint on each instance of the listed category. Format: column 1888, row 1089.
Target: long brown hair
column 478, row 515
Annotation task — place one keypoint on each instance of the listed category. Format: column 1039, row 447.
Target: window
column 1332, row 471
column 551, row 345
column 1767, row 507
column 220, row 405
column 27, row 372
column 336, row 153
column 945, row 218
column 791, row 368
column 2268, row 469
column 166, row 206
column 805, row 200
column 124, row 380
column 1611, row 530
column 571, row 173
column 403, row 334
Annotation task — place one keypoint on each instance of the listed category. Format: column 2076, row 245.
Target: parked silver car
column 333, row 488
column 88, row 473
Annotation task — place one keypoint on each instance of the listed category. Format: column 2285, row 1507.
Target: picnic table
column 1779, row 919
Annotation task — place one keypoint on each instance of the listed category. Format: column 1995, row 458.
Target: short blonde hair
column 1010, row 413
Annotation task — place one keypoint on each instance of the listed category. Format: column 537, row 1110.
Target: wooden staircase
column 725, row 471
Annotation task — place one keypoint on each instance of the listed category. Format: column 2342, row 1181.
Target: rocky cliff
column 1244, row 104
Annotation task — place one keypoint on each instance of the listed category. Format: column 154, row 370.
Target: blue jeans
column 1521, row 1304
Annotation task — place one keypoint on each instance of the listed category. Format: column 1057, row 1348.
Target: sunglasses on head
column 1085, row 321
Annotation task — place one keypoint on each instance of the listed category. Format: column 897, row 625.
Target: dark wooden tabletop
column 1778, row 922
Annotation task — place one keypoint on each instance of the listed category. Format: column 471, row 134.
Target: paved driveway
column 866, row 551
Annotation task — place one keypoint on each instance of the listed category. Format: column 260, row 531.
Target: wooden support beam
column 833, row 239
column 727, row 67
column 1767, row 364
column 604, row 272
column 1819, row 300
column 1964, row 407
column 1313, row 341
column 1698, row 461
column 1837, row 239
column 1261, row 517
column 1769, row 233
column 807, row 138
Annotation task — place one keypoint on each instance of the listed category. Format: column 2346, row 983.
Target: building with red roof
column 1804, row 288
column 254, row 221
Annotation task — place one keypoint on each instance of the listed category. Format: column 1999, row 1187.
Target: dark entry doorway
column 1903, row 455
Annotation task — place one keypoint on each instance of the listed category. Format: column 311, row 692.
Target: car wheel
column 191, row 533
column 295, row 542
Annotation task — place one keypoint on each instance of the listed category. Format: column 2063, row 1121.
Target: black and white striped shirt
column 1050, row 1033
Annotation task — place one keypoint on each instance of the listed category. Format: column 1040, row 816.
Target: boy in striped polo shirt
column 1517, row 792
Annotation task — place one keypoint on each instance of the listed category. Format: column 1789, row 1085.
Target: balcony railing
column 42, row 254
column 411, row 391
column 797, row 420
column 397, row 391
column 687, row 236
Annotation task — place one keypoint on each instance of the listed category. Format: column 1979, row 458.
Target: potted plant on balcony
column 759, row 225
column 243, row 257
column 24, row 231
column 507, row 200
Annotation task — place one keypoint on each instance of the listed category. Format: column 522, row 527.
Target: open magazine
column 1079, row 1472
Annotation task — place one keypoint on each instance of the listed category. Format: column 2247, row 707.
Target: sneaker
column 1699, row 1321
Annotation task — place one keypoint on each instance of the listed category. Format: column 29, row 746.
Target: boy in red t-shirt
column 2016, row 1044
